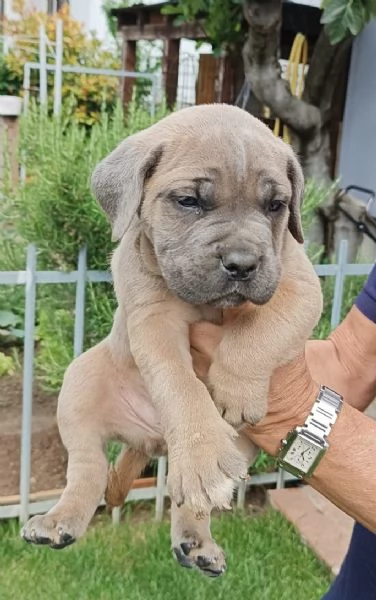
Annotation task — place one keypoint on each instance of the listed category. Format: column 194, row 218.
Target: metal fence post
column 280, row 483
column 159, row 497
column 240, row 498
column 115, row 515
column 58, row 80
column 79, row 316
column 43, row 93
column 153, row 96
column 27, row 393
column 339, row 284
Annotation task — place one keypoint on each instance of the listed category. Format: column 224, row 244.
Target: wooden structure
column 146, row 22
column 9, row 135
column 219, row 79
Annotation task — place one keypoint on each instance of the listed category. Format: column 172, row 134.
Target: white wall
column 37, row 4
column 357, row 161
column 91, row 14
column 88, row 12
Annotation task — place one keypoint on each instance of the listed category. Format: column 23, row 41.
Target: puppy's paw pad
column 206, row 556
column 47, row 531
column 182, row 556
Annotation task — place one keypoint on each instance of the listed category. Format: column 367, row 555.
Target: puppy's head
column 215, row 192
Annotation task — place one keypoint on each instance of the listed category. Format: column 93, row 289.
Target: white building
column 90, row 13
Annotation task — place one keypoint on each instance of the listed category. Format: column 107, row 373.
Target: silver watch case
column 320, row 446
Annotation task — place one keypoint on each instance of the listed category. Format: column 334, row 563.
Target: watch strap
column 323, row 415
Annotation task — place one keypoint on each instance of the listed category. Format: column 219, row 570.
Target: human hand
column 291, row 394
column 346, row 362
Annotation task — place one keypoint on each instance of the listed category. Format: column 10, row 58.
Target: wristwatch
column 305, row 446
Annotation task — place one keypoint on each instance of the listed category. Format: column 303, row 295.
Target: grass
column 266, row 561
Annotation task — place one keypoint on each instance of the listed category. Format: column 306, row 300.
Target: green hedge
column 56, row 211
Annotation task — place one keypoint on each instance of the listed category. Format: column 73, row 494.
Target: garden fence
column 30, row 278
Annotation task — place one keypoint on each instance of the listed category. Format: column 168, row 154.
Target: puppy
column 205, row 205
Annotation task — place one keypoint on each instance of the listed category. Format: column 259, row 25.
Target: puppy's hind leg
column 128, row 467
column 82, row 427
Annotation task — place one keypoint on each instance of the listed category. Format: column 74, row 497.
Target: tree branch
column 263, row 71
column 321, row 66
column 328, row 89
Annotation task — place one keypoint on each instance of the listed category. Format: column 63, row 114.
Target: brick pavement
column 323, row 526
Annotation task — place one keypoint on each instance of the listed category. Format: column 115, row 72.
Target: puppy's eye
column 188, row 201
column 275, row 205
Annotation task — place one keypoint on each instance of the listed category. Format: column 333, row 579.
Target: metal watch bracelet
column 323, row 415
column 304, row 447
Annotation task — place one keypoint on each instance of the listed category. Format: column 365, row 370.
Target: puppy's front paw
column 191, row 551
column 202, row 467
column 238, row 399
column 51, row 531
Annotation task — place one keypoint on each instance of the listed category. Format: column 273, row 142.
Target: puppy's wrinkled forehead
column 210, row 146
column 229, row 161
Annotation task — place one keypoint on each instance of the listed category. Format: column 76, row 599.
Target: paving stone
column 323, row 526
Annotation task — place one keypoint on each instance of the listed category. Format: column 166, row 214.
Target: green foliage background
column 56, row 211
column 225, row 26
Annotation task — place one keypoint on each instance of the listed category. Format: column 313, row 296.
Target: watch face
column 302, row 454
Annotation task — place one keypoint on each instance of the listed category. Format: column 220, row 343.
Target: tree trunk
column 308, row 118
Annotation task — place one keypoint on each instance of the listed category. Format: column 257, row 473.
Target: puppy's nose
column 240, row 266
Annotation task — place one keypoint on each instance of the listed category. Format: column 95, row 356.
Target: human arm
column 346, row 474
column 347, row 363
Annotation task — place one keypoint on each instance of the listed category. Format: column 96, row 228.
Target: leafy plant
column 107, row 7
column 55, row 208
column 346, row 17
column 56, row 211
column 264, row 463
column 225, row 26
column 7, row 365
column 90, row 92
column 9, row 323
column 315, row 195
column 223, row 21
column 10, row 80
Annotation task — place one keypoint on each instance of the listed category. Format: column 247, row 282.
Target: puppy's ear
column 295, row 175
column 118, row 180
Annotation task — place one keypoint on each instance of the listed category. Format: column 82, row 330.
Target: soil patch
column 48, row 455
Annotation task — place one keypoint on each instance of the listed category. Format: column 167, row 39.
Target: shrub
column 81, row 49
column 7, row 365
column 55, row 210
column 315, row 195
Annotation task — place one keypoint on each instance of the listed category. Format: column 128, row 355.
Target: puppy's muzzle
column 240, row 265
